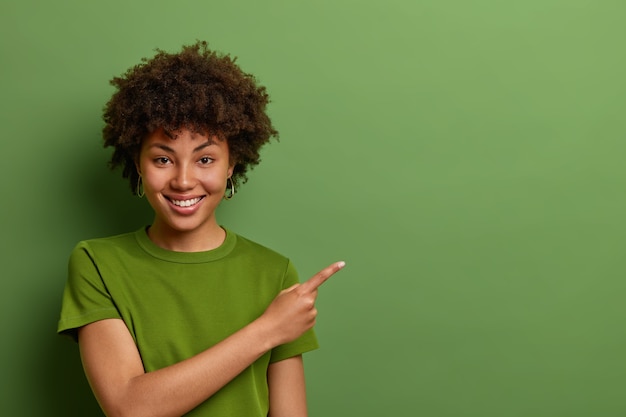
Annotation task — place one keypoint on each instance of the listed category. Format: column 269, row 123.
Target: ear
column 231, row 168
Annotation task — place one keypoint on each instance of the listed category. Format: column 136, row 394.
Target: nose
column 184, row 178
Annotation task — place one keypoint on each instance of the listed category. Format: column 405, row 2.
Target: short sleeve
column 306, row 342
column 85, row 297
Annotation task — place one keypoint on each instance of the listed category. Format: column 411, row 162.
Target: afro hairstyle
column 197, row 89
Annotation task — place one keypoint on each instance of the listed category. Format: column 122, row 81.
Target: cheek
column 152, row 180
column 215, row 179
column 215, row 183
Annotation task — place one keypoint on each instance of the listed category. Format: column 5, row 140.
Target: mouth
column 185, row 203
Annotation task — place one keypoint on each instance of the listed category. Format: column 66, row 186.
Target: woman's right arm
column 115, row 372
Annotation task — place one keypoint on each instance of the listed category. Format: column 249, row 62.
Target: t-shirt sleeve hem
column 282, row 354
column 68, row 326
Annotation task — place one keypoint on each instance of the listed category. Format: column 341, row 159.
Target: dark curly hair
column 198, row 89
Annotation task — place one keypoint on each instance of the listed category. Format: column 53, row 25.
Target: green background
column 465, row 157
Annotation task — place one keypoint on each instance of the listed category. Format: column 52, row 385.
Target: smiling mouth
column 186, row 203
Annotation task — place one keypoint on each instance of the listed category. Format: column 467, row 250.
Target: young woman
column 184, row 317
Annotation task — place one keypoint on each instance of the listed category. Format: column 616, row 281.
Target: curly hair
column 198, row 89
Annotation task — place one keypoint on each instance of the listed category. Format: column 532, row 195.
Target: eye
column 205, row 160
column 162, row 160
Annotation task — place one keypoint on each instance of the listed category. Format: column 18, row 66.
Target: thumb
column 286, row 290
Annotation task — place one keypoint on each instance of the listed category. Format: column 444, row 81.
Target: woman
column 184, row 316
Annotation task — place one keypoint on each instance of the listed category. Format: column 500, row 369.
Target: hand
column 293, row 311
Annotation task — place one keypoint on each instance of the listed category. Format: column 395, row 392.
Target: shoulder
column 263, row 260
column 105, row 259
column 253, row 248
column 106, row 245
column 251, row 245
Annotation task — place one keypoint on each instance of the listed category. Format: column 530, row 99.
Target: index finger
column 318, row 279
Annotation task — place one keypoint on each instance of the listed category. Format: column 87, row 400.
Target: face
column 184, row 180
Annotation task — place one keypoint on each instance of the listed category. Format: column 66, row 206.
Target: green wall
column 465, row 157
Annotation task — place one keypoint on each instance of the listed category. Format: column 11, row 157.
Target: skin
column 192, row 166
column 189, row 168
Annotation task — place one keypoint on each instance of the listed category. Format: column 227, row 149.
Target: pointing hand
column 293, row 311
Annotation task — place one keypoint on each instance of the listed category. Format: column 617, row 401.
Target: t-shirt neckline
column 158, row 252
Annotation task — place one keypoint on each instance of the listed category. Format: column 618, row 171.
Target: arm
column 287, row 389
column 115, row 372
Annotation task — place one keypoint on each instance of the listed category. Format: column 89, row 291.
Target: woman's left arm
column 286, row 388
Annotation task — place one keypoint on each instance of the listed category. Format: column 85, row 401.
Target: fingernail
column 341, row 264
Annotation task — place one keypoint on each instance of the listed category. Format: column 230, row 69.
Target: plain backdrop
column 464, row 157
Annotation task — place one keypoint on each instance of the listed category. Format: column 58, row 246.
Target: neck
column 202, row 240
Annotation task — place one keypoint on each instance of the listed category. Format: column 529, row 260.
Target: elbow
column 124, row 409
column 134, row 409
column 116, row 411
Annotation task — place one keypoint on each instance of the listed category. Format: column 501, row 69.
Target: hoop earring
column 229, row 195
column 139, row 188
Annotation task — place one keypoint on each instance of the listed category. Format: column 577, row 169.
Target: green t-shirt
column 177, row 304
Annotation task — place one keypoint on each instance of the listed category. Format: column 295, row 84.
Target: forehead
column 182, row 140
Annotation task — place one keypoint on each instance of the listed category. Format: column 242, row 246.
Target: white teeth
column 186, row 203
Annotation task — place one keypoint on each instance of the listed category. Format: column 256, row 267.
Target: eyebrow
column 206, row 144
